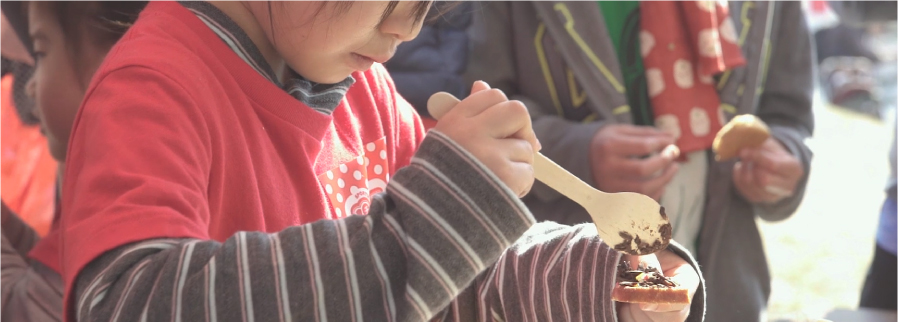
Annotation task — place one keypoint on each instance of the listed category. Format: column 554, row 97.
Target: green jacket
column 558, row 59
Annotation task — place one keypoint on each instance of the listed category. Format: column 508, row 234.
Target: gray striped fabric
column 30, row 290
column 446, row 242
column 407, row 259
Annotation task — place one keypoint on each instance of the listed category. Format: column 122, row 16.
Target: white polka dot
column 705, row 79
column 728, row 30
column 708, row 45
column 357, row 175
column 339, row 212
column 682, row 70
column 646, row 42
column 341, row 183
column 367, row 161
column 329, row 189
column 706, row 5
column 699, row 122
column 378, row 169
column 383, row 154
column 370, row 147
column 330, row 174
column 343, row 168
column 655, row 81
column 339, row 197
column 360, row 161
column 670, row 124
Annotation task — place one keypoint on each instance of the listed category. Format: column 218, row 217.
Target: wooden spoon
column 631, row 223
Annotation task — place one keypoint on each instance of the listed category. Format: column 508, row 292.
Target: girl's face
column 326, row 42
column 57, row 86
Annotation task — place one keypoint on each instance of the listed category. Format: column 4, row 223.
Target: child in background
column 252, row 160
column 70, row 39
column 28, row 170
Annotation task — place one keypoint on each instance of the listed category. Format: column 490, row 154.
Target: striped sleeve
column 443, row 220
column 30, row 290
column 553, row 273
column 19, row 235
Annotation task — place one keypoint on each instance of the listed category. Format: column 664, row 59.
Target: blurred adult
column 611, row 84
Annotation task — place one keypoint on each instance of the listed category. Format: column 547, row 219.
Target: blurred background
column 819, row 257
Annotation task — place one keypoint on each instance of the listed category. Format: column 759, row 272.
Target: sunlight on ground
column 818, row 258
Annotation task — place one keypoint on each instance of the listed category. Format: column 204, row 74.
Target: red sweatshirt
column 231, row 150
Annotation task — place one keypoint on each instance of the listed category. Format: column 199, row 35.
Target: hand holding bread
column 766, row 171
column 666, row 304
column 743, row 131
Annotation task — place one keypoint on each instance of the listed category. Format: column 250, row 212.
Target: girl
column 225, row 153
column 69, row 42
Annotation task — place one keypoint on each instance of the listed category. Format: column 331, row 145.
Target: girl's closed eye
column 38, row 45
column 325, row 42
column 38, row 54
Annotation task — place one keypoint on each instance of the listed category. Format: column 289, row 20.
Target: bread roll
column 743, row 131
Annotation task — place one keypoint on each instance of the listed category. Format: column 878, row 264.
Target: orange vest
column 28, row 171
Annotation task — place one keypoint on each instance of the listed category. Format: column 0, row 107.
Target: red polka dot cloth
column 683, row 44
column 351, row 185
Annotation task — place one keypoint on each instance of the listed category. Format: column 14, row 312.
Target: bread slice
column 647, row 285
column 638, row 294
column 742, row 131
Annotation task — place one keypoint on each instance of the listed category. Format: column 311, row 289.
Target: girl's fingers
column 479, row 102
column 509, row 119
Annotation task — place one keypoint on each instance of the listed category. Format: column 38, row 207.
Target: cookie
column 743, row 131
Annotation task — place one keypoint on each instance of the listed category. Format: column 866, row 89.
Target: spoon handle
column 556, row 177
column 545, row 170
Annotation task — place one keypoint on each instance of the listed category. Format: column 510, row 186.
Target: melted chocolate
column 642, row 247
column 654, row 278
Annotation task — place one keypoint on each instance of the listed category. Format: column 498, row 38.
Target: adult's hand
column 768, row 173
column 629, row 158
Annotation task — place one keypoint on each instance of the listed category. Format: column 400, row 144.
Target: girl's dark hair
column 105, row 21
column 419, row 12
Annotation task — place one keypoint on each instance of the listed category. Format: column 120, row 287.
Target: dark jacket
column 435, row 60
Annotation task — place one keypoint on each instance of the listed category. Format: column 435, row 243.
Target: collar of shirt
column 323, row 98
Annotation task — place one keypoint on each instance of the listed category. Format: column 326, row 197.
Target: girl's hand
column 677, row 269
column 497, row 132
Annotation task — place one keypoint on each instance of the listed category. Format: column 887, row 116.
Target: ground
column 818, row 258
